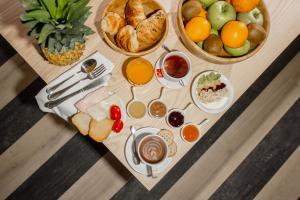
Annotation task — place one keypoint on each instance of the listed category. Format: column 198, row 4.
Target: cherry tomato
column 118, row 126
column 115, row 112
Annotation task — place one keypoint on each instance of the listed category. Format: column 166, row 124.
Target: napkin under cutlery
column 67, row 108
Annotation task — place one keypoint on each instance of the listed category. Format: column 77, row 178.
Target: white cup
column 165, row 146
column 181, row 80
column 198, row 126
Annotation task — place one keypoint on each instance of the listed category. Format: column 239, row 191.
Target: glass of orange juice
column 139, row 71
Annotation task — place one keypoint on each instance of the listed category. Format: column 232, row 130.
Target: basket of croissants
column 134, row 27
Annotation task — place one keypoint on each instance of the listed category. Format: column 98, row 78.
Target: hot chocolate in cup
column 152, row 150
column 176, row 65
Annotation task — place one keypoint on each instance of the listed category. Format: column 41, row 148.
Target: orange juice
column 139, row 71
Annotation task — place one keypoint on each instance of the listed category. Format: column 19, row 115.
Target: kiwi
column 224, row 54
column 213, row 45
column 191, row 9
column 256, row 34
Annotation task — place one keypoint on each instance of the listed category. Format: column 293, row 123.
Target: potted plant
column 58, row 26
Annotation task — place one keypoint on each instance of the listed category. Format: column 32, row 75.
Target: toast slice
column 100, row 130
column 81, row 121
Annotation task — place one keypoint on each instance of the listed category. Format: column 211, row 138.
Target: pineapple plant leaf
column 45, row 32
column 30, row 4
column 51, row 7
column 58, row 26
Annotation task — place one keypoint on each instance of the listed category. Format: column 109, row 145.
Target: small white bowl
column 198, row 126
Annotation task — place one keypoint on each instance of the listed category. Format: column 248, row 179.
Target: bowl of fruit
column 223, row 32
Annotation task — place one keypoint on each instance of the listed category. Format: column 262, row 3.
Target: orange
column 244, row 5
column 139, row 71
column 198, row 29
column 234, row 34
column 203, row 13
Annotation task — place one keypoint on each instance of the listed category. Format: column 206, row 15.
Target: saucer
column 141, row 168
column 167, row 83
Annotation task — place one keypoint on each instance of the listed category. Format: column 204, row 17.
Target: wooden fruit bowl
column 197, row 51
column 118, row 6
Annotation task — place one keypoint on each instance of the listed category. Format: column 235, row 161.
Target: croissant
column 150, row 30
column 127, row 39
column 134, row 12
column 112, row 23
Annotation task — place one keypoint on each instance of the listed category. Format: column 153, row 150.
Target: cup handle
column 201, row 124
column 162, row 93
column 133, row 92
column 187, row 107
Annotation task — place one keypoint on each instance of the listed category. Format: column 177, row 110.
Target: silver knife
column 100, row 81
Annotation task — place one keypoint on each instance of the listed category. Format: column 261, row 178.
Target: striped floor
column 252, row 152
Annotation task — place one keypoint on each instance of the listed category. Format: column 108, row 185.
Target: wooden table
column 285, row 18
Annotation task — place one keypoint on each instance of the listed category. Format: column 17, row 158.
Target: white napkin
column 67, row 108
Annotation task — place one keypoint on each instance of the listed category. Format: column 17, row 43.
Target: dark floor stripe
column 6, row 51
column 19, row 115
column 264, row 161
column 133, row 189
column 62, row 170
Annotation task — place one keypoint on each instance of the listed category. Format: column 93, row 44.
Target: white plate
column 141, row 168
column 214, row 107
column 114, row 100
column 165, row 82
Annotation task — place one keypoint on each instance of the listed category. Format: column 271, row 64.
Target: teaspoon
column 86, row 67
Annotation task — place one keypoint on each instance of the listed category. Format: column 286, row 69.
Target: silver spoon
column 86, row 67
column 135, row 156
column 166, row 48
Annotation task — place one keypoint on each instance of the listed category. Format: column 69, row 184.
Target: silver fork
column 92, row 75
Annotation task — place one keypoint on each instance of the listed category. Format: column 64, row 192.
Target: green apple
column 207, row 3
column 200, row 44
column 254, row 16
column 214, row 31
column 238, row 51
column 220, row 13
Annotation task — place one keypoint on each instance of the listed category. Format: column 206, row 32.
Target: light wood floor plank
column 33, row 149
column 102, row 181
column 285, row 184
column 215, row 166
column 15, row 75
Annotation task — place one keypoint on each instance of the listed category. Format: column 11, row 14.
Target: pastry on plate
column 151, row 30
column 172, row 150
column 112, row 23
column 127, row 39
column 167, row 136
column 134, row 12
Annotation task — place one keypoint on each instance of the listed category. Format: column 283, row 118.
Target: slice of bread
column 81, row 121
column 167, row 136
column 100, row 130
column 172, row 150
